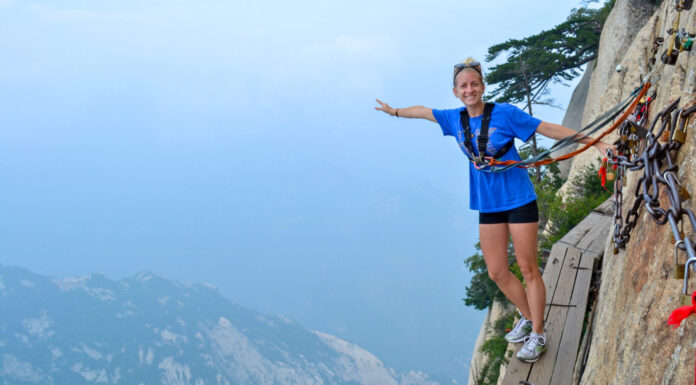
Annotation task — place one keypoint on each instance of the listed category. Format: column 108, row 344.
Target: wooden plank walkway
column 567, row 276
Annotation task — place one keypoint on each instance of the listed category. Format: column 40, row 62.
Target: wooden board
column 606, row 208
column 568, row 285
column 570, row 340
column 595, row 239
column 552, row 270
column 578, row 232
column 516, row 369
column 543, row 369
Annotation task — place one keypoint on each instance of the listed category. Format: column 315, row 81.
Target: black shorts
column 523, row 214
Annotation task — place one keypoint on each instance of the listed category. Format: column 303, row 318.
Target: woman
column 505, row 200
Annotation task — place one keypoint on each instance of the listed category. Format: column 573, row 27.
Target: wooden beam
column 570, row 339
column 558, row 309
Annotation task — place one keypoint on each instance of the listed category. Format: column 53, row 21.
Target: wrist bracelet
column 396, row 113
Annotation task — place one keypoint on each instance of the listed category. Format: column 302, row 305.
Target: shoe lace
column 519, row 326
column 531, row 343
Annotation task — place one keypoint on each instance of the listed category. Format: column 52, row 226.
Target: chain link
column 652, row 151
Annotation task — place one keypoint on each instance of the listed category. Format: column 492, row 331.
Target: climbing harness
column 482, row 141
column 492, row 165
column 680, row 41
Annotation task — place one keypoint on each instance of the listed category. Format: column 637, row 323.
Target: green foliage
column 482, row 291
column 586, row 193
column 546, row 185
column 494, row 348
column 554, row 55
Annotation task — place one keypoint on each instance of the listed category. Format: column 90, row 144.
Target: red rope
column 594, row 141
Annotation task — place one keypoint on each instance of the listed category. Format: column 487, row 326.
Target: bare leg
column 494, row 242
column 524, row 239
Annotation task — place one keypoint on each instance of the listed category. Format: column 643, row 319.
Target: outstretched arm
column 555, row 131
column 407, row 112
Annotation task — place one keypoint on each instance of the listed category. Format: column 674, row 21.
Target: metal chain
column 659, row 176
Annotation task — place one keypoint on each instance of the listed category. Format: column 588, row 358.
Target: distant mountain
column 150, row 330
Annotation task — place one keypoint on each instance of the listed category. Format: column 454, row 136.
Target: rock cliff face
column 631, row 342
column 573, row 115
column 622, row 42
column 479, row 360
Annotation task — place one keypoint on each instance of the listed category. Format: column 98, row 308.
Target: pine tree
column 552, row 56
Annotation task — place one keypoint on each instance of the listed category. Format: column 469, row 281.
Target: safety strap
column 609, row 116
column 482, row 140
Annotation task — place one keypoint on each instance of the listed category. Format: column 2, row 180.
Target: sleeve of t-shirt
column 522, row 124
column 443, row 119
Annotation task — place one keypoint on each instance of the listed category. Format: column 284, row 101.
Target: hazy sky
column 236, row 143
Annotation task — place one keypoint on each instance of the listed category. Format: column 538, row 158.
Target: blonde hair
column 472, row 65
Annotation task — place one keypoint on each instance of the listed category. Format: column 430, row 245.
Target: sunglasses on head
column 473, row 65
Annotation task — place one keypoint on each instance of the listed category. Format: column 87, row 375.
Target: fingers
column 605, row 149
column 383, row 106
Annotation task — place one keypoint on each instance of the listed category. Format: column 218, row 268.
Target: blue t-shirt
column 495, row 191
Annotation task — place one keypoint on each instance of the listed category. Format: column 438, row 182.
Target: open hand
column 604, row 148
column 384, row 107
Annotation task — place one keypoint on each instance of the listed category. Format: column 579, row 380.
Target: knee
column 498, row 276
column 530, row 272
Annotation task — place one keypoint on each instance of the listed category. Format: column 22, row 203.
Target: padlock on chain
column 665, row 135
column 683, row 5
column 680, row 132
column 685, row 297
column 670, row 58
column 684, row 194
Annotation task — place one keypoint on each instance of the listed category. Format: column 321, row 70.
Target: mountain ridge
column 147, row 329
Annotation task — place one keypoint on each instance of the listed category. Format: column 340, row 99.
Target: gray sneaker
column 533, row 348
column 520, row 331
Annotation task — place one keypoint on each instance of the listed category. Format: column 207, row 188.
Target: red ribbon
column 603, row 173
column 681, row 313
